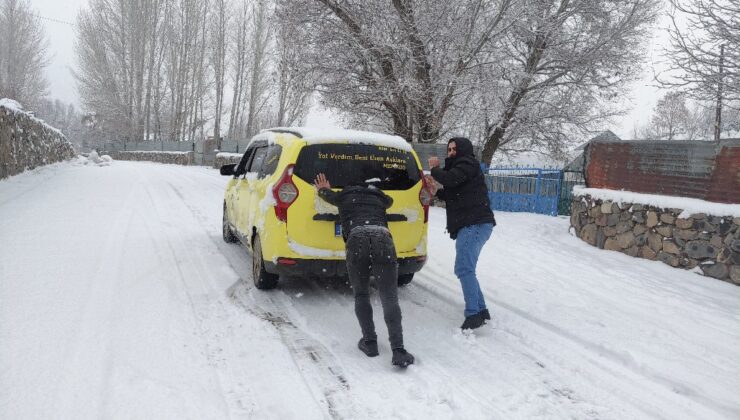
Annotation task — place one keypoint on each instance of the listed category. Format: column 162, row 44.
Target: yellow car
column 271, row 206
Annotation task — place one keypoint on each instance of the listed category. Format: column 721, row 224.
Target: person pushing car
column 371, row 254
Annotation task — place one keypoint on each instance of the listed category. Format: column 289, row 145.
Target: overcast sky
column 61, row 37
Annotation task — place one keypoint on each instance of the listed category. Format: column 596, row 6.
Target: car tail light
column 285, row 193
column 425, row 197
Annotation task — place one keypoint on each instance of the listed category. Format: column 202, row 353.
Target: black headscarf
column 464, row 148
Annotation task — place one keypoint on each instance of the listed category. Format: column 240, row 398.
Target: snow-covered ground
column 118, row 299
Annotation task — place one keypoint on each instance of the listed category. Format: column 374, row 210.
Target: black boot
column 402, row 358
column 484, row 314
column 472, row 322
column 369, row 347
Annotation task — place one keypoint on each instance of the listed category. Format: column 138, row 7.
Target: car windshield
column 355, row 164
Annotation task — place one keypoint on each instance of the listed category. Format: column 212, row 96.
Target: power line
column 55, row 20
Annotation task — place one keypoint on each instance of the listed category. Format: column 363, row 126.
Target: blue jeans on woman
column 468, row 245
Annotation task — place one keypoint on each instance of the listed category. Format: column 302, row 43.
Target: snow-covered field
column 118, row 299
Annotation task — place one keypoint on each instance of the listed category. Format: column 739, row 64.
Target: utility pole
column 718, row 114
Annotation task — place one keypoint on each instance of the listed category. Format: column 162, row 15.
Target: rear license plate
column 337, row 229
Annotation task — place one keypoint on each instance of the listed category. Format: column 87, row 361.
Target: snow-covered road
column 118, row 299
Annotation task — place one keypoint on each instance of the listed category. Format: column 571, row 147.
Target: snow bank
column 328, row 135
column 93, row 158
column 688, row 205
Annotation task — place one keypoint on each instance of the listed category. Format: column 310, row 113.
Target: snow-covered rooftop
column 325, row 135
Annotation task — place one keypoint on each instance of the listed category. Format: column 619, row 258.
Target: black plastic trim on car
column 333, row 268
column 295, row 133
column 333, row 217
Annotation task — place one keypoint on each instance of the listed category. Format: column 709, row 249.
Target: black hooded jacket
column 465, row 192
column 358, row 206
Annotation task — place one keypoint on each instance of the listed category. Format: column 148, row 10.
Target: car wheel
column 404, row 279
column 229, row 236
column 262, row 279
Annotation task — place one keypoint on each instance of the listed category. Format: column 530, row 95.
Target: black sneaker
column 402, row 358
column 485, row 315
column 369, row 347
column 472, row 322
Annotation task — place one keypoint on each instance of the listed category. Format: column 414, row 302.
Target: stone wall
column 27, row 142
column 709, row 242
column 175, row 158
column 226, row 159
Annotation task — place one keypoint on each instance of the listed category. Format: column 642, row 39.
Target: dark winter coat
column 465, row 192
column 359, row 206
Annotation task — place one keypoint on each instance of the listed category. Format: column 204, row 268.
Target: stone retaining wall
column 175, row 158
column 226, row 159
column 27, row 142
column 710, row 242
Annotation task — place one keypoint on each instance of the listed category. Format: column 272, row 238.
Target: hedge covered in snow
column 27, row 142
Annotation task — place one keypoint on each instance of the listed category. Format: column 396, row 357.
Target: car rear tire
column 262, row 279
column 404, row 279
column 229, row 236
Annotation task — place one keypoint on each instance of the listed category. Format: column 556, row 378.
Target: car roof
column 332, row 135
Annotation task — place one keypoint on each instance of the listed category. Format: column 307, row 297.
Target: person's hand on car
column 321, row 181
column 431, row 183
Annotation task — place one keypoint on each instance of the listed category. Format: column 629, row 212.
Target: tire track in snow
column 329, row 373
column 314, row 360
column 321, row 371
column 648, row 400
column 99, row 302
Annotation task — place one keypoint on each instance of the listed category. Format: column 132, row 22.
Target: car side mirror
column 228, row 170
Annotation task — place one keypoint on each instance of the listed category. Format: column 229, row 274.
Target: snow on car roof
column 326, row 135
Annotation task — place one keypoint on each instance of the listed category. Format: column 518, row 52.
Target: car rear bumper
column 294, row 267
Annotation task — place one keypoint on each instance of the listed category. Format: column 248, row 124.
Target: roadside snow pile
column 95, row 159
column 688, row 205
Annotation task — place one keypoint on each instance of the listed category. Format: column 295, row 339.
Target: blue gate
column 533, row 190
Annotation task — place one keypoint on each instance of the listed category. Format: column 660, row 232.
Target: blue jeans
column 468, row 245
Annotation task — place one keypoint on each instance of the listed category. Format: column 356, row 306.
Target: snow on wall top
column 325, row 135
column 15, row 107
column 688, row 205
column 11, row 105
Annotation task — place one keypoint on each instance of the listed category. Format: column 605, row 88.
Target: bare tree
column 398, row 63
column 568, row 59
column 705, row 52
column 258, row 84
column 238, row 70
column 23, row 53
column 294, row 82
column 521, row 74
column 671, row 117
column 219, row 27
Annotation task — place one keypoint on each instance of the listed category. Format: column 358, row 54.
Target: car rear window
column 347, row 164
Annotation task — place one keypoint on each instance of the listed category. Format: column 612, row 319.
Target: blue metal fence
column 533, row 190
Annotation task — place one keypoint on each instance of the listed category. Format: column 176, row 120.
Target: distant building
column 577, row 163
